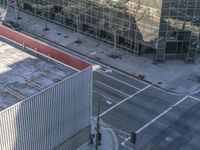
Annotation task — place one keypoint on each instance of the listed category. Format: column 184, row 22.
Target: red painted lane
column 43, row 48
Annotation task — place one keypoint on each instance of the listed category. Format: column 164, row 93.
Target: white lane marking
column 195, row 92
column 121, row 137
column 120, row 131
column 118, row 80
column 108, row 102
column 145, row 83
column 195, row 98
column 180, row 101
column 102, row 95
column 131, row 77
column 106, row 97
column 112, row 88
column 160, row 115
column 123, row 143
column 156, row 118
column 111, row 108
column 126, row 146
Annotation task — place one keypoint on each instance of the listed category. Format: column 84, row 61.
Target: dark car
column 12, row 25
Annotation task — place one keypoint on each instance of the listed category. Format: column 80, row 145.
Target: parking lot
column 162, row 120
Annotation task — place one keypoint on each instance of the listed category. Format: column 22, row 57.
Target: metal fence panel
column 45, row 120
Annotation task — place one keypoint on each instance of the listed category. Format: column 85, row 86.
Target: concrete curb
column 115, row 139
column 105, row 129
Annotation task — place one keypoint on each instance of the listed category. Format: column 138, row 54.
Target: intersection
column 160, row 118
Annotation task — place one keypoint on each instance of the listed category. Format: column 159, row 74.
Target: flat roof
column 23, row 74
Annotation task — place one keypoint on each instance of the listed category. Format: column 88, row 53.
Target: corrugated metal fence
column 53, row 116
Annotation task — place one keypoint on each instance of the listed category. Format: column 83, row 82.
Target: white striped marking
column 195, row 98
column 124, row 145
column 118, row 80
column 111, row 108
column 109, row 102
column 106, row 97
column 112, row 88
column 159, row 116
column 156, row 118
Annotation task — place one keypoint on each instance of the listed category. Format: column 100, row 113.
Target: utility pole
column 98, row 136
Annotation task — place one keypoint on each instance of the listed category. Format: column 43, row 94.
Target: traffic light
column 133, row 137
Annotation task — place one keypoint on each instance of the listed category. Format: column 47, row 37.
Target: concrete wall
column 51, row 118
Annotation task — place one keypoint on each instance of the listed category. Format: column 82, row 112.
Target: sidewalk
column 109, row 139
column 173, row 75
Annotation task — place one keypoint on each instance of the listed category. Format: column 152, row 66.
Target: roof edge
column 44, row 48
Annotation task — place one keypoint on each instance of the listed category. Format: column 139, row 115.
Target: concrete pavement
column 109, row 139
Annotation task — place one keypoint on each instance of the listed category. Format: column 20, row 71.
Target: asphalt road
column 162, row 120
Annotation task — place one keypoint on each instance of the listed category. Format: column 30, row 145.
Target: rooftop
column 23, row 74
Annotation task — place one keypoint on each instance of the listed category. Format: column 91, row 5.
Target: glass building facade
column 179, row 31
column 133, row 22
column 167, row 28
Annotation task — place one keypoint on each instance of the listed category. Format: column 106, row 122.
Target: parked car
column 11, row 24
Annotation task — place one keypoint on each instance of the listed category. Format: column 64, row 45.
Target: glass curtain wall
column 3, row 5
column 132, row 25
column 179, row 30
